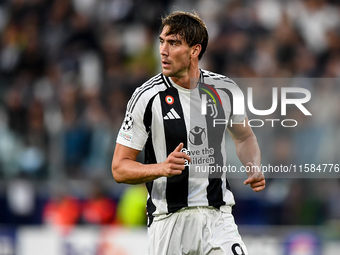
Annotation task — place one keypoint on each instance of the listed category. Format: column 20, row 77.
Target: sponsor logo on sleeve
column 125, row 136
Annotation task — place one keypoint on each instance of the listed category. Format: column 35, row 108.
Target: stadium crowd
column 68, row 67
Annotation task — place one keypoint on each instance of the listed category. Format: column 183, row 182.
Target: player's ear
column 196, row 50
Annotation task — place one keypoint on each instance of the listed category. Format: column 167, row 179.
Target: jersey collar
column 169, row 82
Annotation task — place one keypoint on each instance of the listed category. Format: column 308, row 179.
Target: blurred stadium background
column 67, row 69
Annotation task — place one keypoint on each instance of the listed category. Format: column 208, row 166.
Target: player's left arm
column 248, row 151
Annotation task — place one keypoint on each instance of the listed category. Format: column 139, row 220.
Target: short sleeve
column 237, row 118
column 132, row 132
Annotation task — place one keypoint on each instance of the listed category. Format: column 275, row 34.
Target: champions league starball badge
column 128, row 122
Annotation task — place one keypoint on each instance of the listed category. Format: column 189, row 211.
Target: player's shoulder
column 146, row 91
column 218, row 80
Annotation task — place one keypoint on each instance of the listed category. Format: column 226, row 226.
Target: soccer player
column 173, row 117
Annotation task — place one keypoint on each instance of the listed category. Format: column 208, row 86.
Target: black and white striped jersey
column 160, row 115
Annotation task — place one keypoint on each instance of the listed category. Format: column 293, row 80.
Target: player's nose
column 164, row 49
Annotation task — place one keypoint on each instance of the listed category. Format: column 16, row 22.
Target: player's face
column 175, row 54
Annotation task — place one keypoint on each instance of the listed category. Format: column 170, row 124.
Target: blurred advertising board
column 82, row 241
column 125, row 241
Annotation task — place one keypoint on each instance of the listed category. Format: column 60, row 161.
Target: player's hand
column 255, row 178
column 174, row 164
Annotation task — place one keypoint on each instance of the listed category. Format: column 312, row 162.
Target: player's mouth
column 165, row 64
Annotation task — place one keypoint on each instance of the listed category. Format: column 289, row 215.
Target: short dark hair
column 189, row 26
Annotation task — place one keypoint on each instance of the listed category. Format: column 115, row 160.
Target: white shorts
column 196, row 231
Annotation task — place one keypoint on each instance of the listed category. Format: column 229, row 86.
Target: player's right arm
column 125, row 168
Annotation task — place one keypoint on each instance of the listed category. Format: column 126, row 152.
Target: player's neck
column 189, row 79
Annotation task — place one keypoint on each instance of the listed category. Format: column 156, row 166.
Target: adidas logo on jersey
column 171, row 115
